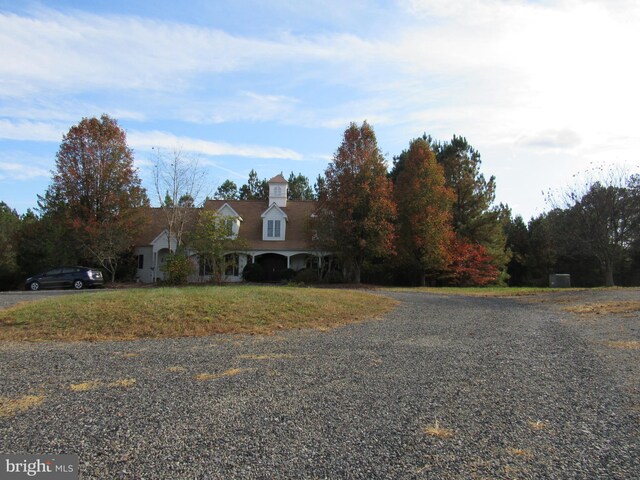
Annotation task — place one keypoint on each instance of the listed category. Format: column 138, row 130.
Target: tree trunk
column 608, row 275
column 356, row 273
column 423, row 278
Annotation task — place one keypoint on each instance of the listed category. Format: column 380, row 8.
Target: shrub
column 307, row 275
column 253, row 272
column 177, row 268
column 334, row 276
column 288, row 274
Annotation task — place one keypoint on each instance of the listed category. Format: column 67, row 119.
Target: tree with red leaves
column 355, row 211
column 472, row 265
column 425, row 231
column 97, row 190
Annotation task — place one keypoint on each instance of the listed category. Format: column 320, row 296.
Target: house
column 276, row 231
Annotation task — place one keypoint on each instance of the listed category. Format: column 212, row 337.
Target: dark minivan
column 61, row 277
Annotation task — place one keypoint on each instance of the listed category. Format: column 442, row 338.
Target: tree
column 9, row 228
column 518, row 244
column 227, row 191
column 214, row 240
column 183, row 183
column 602, row 213
column 97, row 191
column 355, row 212
column 254, row 189
column 318, row 186
column 475, row 220
column 472, row 265
column 299, row 188
column 424, row 218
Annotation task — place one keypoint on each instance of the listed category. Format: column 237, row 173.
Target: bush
column 307, row 275
column 177, row 269
column 288, row 274
column 253, row 272
column 334, row 276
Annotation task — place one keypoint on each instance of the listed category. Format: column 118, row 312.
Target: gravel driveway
column 525, row 390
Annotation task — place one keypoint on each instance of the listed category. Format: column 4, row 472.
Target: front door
column 274, row 266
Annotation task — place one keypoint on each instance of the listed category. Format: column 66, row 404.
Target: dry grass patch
column 11, row 406
column 624, row 344
column 203, row 377
column 125, row 383
column 486, row 291
column 436, row 430
column 520, row 452
column 627, row 308
column 130, row 355
column 187, row 312
column 267, row 356
column 85, row 386
column 176, row 369
column 537, row 425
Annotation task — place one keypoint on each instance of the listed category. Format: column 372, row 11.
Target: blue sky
column 543, row 89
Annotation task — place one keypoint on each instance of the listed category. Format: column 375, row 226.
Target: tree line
column 430, row 218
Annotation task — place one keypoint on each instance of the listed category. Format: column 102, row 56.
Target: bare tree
column 180, row 185
column 602, row 209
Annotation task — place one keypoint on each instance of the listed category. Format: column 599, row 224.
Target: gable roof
column 298, row 236
column 156, row 222
column 278, row 179
column 229, row 207
column 274, row 206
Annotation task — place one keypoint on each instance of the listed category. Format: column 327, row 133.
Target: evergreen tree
column 299, row 188
column 227, row 191
column 254, row 189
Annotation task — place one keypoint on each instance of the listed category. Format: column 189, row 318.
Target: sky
column 543, row 89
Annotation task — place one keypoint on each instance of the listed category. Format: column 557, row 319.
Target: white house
column 277, row 232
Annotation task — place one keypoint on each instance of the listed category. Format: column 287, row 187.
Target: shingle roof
column 298, row 235
column 156, row 222
column 278, row 179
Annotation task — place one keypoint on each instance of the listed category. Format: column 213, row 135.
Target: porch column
column 288, row 261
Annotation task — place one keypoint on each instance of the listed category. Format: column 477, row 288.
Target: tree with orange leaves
column 425, row 232
column 355, row 213
column 97, row 191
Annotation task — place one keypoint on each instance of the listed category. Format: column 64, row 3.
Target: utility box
column 560, row 280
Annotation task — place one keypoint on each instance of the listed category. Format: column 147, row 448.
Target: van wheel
column 78, row 284
column 34, row 286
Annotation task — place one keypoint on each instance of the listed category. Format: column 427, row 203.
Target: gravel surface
column 526, row 389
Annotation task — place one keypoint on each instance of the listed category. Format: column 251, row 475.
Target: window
column 273, row 228
column 228, row 226
column 204, row 267
column 232, row 262
column 140, row 262
column 277, row 191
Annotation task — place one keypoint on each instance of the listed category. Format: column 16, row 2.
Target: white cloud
column 20, row 171
column 164, row 140
column 555, row 139
column 31, row 131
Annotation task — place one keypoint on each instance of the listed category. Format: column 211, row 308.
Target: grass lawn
column 485, row 291
column 189, row 311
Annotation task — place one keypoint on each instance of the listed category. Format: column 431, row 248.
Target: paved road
column 525, row 393
column 12, row 297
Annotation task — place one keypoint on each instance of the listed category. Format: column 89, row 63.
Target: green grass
column 485, row 291
column 189, row 311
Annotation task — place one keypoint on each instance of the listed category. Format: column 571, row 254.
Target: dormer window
column 273, row 228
